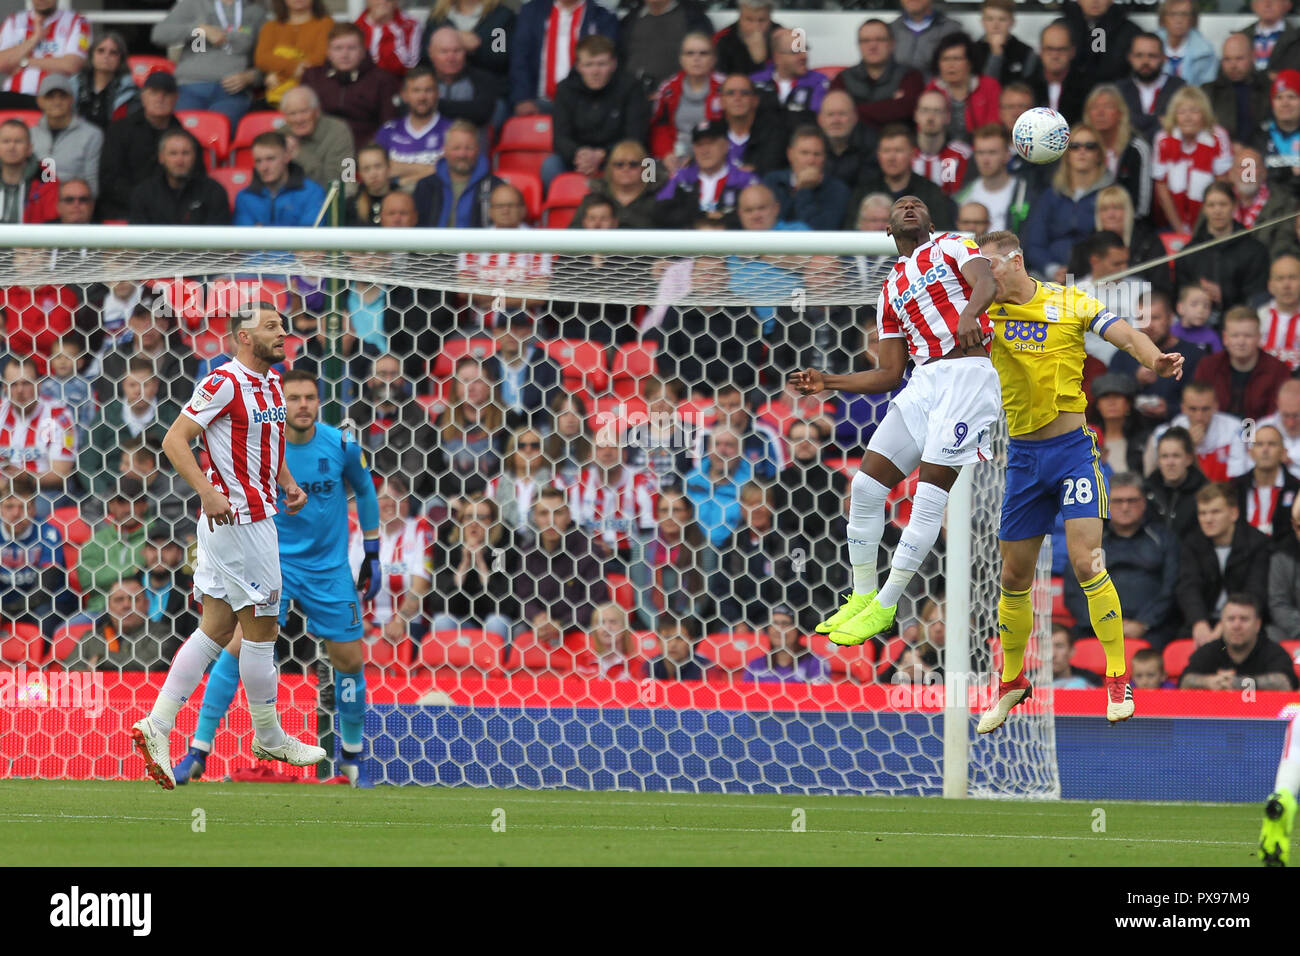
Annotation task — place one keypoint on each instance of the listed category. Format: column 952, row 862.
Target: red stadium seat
column 830, row 72
column 613, row 410
column 560, row 218
column 892, row 651
column 1176, row 655
column 580, row 362
column 70, row 555
column 632, row 363
column 1292, row 649
column 566, row 192
column 22, row 644
column 467, row 650
column 71, row 525
column 207, row 344
column 846, row 663
column 663, row 139
column 732, row 650
column 525, row 143
column 30, row 117
column 1088, row 654
column 621, row 591
column 1060, row 613
column 528, row 183
column 211, row 129
column 455, row 349
column 228, row 296
column 233, row 180
column 572, row 653
column 250, row 127
column 1131, row 647
column 66, row 640
column 144, row 64
column 384, row 654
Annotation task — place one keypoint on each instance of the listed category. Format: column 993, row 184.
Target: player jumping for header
column 933, row 306
column 1053, row 464
column 314, row 559
column 239, row 413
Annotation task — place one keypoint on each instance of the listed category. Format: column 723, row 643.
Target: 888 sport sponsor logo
column 1025, row 336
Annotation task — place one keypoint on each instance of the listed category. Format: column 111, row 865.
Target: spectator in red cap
column 1282, row 136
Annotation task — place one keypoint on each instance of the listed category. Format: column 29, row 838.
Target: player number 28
column 1077, row 490
column 1037, row 331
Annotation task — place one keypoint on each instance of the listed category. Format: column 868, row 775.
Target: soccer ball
column 1041, row 135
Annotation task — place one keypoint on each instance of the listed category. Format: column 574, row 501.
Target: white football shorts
column 944, row 416
column 240, row 565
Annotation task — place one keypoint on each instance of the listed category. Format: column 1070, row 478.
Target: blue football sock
column 223, row 681
column 350, row 698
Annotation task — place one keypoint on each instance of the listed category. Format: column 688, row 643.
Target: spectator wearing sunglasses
column 76, row 204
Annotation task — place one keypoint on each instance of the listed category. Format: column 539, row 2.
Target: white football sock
column 188, row 667
column 917, row 541
column 865, row 529
column 261, row 686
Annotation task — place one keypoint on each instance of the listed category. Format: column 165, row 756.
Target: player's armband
column 1102, row 321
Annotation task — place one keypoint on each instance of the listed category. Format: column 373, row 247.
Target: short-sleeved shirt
column 924, row 295
column 1038, row 352
column 1266, row 658
column 242, row 415
column 404, row 145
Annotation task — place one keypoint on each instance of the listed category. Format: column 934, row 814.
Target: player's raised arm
column 357, row 475
column 1139, row 345
column 177, row 445
column 885, row 378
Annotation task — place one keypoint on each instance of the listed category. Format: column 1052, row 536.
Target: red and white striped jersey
column 65, row 33
column 1187, row 169
column 1280, row 333
column 32, row 441
column 613, row 511
column 923, row 297
column 403, row 556
column 1222, row 452
column 504, row 267
column 242, row 415
column 946, row 168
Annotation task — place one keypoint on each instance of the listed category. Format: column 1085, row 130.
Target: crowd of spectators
column 725, row 512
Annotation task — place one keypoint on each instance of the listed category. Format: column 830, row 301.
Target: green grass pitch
column 88, row 823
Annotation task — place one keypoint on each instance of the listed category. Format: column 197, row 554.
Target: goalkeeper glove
column 368, row 578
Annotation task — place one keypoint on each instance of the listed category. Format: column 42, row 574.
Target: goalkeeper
column 1053, row 464
column 315, row 571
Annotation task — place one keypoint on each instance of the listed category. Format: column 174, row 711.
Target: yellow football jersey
column 1038, row 352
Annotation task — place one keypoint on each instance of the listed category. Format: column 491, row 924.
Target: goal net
column 648, row 624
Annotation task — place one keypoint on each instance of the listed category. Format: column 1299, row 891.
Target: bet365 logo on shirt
column 263, row 416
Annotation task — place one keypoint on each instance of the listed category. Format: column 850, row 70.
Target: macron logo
column 75, row 909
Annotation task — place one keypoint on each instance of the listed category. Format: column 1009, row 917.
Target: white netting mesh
column 473, row 691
